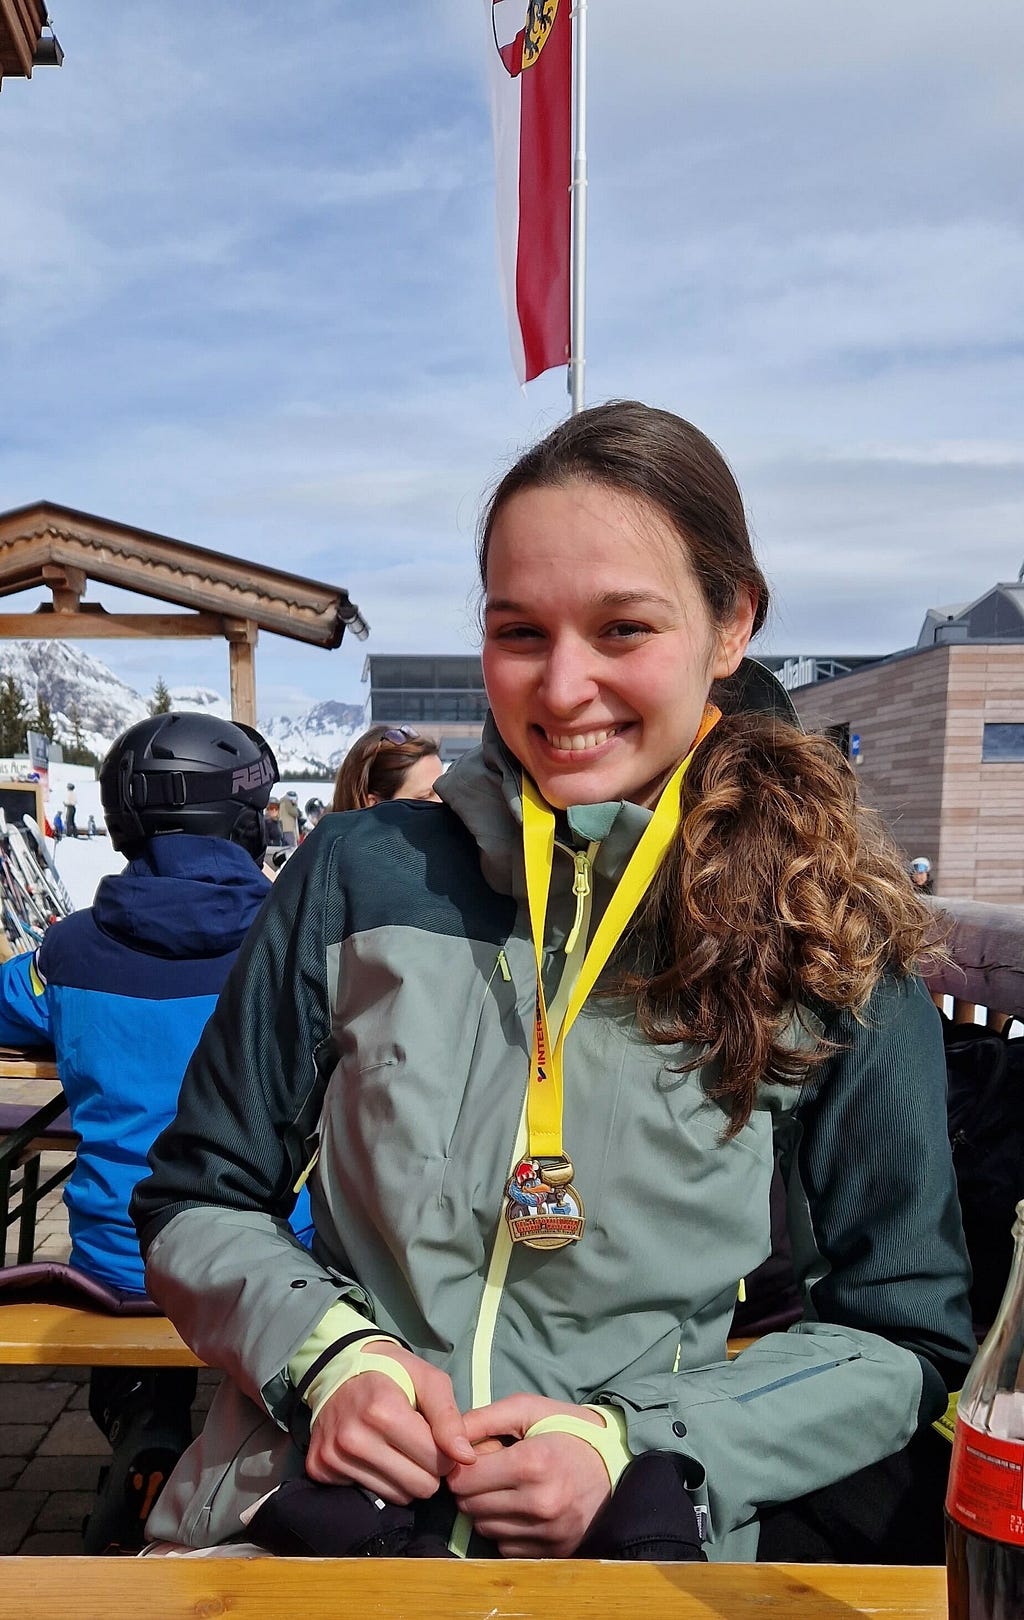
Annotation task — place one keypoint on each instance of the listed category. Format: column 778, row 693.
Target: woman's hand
column 368, row 1434
column 537, row 1497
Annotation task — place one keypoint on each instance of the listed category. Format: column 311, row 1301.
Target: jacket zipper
column 501, row 1251
column 581, row 889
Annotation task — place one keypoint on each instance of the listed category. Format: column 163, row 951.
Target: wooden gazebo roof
column 56, row 547
column 21, row 28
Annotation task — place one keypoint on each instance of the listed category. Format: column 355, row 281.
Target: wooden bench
column 42, row 1334
column 491, row 1589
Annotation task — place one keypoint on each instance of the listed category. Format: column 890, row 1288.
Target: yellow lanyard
column 544, row 1098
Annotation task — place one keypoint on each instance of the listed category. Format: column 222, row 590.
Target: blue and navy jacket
column 123, row 991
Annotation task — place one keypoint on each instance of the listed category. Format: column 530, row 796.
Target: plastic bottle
column 985, row 1498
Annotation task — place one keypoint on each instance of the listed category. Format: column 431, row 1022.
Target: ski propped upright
column 45, row 859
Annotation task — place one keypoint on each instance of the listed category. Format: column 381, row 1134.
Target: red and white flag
column 531, row 94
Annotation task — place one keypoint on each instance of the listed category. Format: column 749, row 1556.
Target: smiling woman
column 599, row 651
column 551, row 1034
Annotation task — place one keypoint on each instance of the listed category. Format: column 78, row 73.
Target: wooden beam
column 92, row 620
column 65, row 576
column 67, row 585
column 246, row 630
column 22, row 35
column 242, row 669
column 171, row 570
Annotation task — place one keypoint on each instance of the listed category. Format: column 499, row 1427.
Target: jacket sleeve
column 212, row 1216
column 24, row 1007
column 879, row 1252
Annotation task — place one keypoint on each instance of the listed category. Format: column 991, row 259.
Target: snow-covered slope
column 74, row 683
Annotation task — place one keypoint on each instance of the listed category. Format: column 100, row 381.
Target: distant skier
column 291, row 818
column 70, row 829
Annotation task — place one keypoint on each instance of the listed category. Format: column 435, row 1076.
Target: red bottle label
column 986, row 1484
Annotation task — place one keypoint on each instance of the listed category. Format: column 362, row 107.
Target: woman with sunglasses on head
column 387, row 762
column 555, row 1031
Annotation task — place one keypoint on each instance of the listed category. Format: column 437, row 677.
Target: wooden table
column 415, row 1589
column 41, row 1334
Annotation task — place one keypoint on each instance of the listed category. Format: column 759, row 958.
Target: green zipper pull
column 580, row 888
column 503, row 968
column 308, row 1171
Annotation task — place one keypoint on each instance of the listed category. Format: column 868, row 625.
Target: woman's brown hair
column 779, row 890
column 377, row 765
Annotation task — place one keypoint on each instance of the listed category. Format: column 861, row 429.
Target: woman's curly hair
column 779, row 891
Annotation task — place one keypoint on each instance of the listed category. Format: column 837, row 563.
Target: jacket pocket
column 240, row 1455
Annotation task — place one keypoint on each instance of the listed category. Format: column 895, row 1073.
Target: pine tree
column 13, row 717
column 78, row 753
column 42, row 720
column 160, row 702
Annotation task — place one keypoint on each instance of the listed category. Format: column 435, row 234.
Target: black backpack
column 985, row 1105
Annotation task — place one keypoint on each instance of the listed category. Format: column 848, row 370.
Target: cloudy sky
column 248, row 295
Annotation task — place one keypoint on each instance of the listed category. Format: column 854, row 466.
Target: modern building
column 440, row 694
column 937, row 735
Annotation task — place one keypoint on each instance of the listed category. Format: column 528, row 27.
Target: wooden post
column 241, row 637
column 67, row 585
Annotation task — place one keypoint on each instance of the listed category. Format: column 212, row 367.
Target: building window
column 1003, row 744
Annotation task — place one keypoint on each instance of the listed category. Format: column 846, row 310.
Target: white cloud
column 248, row 294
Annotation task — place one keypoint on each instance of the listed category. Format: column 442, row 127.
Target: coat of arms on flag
column 521, row 29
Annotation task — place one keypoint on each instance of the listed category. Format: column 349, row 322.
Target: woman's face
column 599, row 651
column 418, row 781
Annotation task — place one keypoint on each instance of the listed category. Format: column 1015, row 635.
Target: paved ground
column 50, row 1450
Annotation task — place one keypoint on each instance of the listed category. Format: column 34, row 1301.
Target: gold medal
column 543, row 1208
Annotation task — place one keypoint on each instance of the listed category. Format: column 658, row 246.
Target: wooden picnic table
column 435, row 1589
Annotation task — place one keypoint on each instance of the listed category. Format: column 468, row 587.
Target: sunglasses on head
column 399, row 734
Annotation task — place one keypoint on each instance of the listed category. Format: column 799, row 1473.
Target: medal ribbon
column 544, row 1097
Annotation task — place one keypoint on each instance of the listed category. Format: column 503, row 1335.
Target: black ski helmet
column 191, row 773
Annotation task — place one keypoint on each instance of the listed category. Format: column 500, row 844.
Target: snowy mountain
column 75, row 684
column 306, row 744
column 200, row 700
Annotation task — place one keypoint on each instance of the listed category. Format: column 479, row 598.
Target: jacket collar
column 484, row 789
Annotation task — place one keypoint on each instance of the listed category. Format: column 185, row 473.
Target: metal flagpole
column 578, row 188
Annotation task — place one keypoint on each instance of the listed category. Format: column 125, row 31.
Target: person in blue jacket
column 123, row 990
